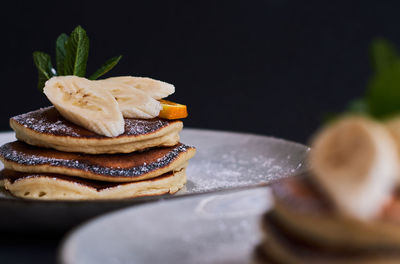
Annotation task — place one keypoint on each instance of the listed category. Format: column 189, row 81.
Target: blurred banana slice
column 133, row 103
column 356, row 162
column 85, row 104
column 154, row 88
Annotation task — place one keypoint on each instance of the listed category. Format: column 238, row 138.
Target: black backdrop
column 269, row 67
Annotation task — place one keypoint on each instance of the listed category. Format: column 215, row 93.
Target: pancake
column 45, row 186
column 47, row 128
column 135, row 166
column 283, row 247
column 302, row 208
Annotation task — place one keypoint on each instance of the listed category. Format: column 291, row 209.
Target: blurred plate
column 206, row 229
column 224, row 160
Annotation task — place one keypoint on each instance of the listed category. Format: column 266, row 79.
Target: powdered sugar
column 229, row 160
column 34, row 121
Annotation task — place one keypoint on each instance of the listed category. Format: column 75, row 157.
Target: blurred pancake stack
column 55, row 158
column 346, row 209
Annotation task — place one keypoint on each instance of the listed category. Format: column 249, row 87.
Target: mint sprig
column 61, row 52
column 107, row 66
column 382, row 98
column 383, row 94
column 71, row 58
column 76, row 53
column 45, row 68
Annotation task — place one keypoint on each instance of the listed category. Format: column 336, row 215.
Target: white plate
column 224, row 160
column 206, row 229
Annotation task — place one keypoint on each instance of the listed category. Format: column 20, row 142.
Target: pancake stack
column 346, row 209
column 305, row 227
column 56, row 159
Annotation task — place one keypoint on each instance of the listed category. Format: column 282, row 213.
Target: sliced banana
column 101, row 105
column 356, row 162
column 82, row 102
column 154, row 88
column 133, row 103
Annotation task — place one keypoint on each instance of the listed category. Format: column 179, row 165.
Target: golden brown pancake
column 135, row 166
column 46, row 186
column 47, row 128
column 305, row 227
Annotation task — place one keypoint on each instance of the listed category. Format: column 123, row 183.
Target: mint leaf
column 77, row 51
column 106, row 67
column 383, row 54
column 45, row 68
column 60, row 52
column 71, row 58
column 383, row 94
column 382, row 98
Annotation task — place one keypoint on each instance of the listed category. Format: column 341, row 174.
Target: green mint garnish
column 108, row 65
column 61, row 53
column 383, row 93
column 45, row 68
column 76, row 53
column 382, row 99
column 71, row 58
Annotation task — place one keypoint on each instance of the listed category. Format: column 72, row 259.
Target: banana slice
column 133, row 103
column 154, row 88
column 356, row 162
column 85, row 104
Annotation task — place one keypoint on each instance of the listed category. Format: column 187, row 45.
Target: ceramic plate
column 224, row 160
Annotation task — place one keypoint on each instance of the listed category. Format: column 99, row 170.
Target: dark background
column 268, row 67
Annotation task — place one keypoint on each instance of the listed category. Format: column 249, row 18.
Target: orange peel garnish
column 171, row 110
